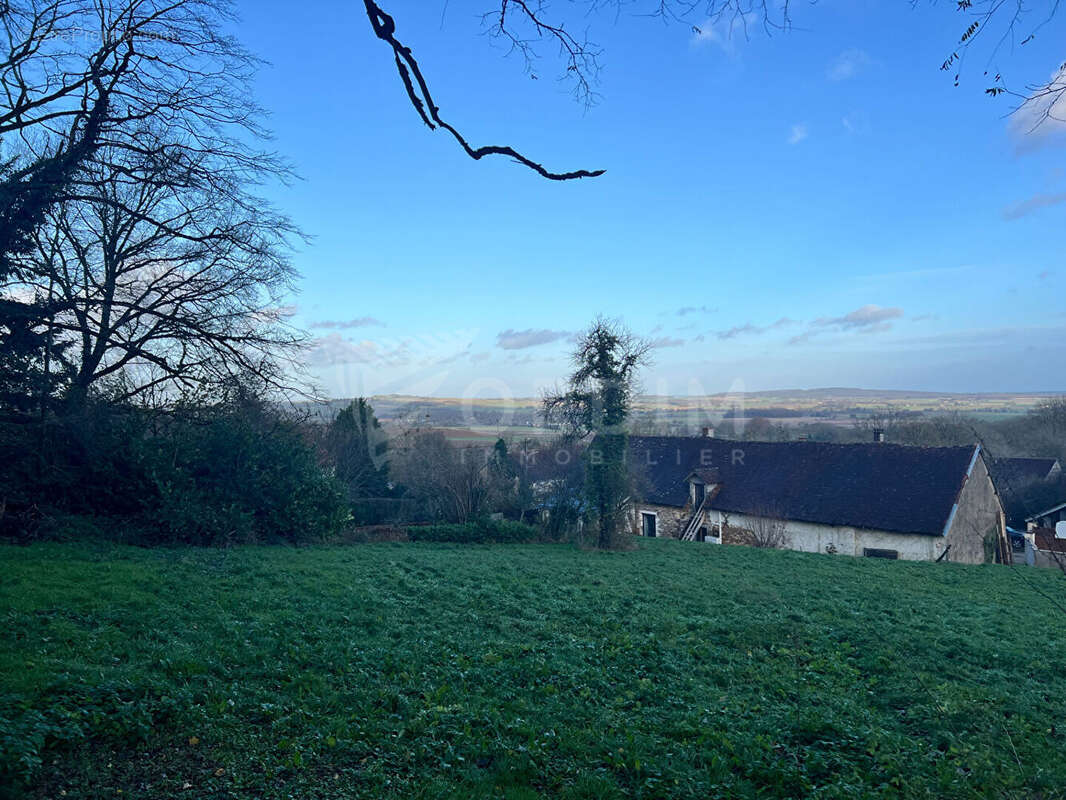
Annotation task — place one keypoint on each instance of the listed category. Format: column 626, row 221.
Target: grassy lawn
column 434, row 671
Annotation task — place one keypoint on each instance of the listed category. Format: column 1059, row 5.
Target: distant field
column 487, row 434
column 519, row 417
column 430, row 671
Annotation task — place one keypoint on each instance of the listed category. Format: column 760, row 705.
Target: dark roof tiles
column 875, row 486
column 1022, row 470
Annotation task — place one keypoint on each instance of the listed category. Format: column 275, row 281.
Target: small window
column 873, row 552
column 647, row 524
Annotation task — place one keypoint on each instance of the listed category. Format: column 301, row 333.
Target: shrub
column 235, row 471
column 241, row 473
column 483, row 531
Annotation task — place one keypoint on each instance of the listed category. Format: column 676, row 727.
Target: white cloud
column 706, row 33
column 418, row 351
column 749, row 328
column 865, row 317
column 724, row 31
column 686, row 310
column 1041, row 121
column 797, row 133
column 519, row 340
column 855, row 123
column 848, row 64
column 1034, row 203
column 358, row 322
column 335, row 349
column 666, row 341
column 21, row 294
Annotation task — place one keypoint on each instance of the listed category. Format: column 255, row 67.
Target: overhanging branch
column 418, row 92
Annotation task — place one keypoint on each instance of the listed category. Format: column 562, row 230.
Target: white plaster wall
column 811, row 537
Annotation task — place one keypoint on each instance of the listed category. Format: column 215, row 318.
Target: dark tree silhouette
column 152, row 256
column 357, row 448
column 597, row 403
column 163, row 286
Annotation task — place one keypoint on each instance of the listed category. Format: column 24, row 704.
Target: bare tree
column 47, row 96
column 446, row 482
column 1051, row 414
column 525, row 26
column 79, row 74
column 164, row 285
column 158, row 260
column 884, row 419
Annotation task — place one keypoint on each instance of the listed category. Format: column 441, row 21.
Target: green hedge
column 479, row 532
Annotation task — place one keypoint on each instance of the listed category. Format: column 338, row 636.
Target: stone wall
column 977, row 522
column 810, row 537
column 977, row 517
column 670, row 519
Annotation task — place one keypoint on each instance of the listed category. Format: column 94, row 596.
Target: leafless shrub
column 766, row 528
column 443, row 481
column 769, row 531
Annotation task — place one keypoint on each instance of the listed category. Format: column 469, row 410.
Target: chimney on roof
column 708, row 432
column 879, row 435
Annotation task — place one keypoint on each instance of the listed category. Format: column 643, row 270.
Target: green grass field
column 428, row 671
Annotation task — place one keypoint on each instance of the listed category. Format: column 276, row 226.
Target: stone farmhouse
column 875, row 500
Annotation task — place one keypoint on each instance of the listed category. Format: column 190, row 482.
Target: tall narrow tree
column 357, row 448
column 597, row 403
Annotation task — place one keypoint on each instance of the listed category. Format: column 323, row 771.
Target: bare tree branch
column 418, row 92
column 524, row 24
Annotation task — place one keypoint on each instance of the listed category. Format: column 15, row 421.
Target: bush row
column 483, row 531
column 225, row 474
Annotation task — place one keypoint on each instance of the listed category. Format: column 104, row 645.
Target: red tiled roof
column 1045, row 540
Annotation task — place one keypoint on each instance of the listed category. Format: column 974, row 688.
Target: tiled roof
column 1022, row 470
column 1015, row 479
column 1045, row 539
column 876, row 486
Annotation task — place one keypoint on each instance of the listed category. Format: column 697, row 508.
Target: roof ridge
column 809, row 443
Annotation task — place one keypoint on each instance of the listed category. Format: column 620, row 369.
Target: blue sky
column 816, row 208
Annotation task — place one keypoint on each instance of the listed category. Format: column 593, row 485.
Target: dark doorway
column 648, row 524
